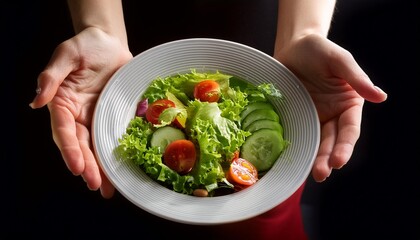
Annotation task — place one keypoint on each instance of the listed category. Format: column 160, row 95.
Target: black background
column 375, row 194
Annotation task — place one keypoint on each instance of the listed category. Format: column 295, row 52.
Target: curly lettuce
column 214, row 127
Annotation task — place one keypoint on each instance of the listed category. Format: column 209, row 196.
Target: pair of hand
column 81, row 66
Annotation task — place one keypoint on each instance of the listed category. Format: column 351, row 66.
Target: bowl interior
column 116, row 107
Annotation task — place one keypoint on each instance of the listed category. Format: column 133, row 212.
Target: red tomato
column 180, row 156
column 156, row 108
column 242, row 173
column 207, row 91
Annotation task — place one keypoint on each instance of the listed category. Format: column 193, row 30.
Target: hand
column 70, row 84
column 338, row 87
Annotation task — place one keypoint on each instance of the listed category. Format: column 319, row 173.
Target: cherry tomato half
column 156, row 108
column 180, row 156
column 242, row 173
column 207, row 91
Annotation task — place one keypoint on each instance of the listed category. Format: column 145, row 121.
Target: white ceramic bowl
column 117, row 104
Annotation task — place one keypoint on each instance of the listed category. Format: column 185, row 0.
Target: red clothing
column 283, row 222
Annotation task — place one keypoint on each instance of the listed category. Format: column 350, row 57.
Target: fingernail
column 384, row 94
column 320, row 181
column 38, row 91
column 380, row 90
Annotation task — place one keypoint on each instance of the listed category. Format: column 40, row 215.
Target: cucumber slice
column 259, row 114
column 263, row 148
column 165, row 135
column 254, row 106
column 264, row 123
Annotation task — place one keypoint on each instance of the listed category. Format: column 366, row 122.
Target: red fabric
column 283, row 222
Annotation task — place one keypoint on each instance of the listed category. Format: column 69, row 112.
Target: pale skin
column 80, row 67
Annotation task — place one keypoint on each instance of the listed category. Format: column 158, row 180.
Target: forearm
column 298, row 18
column 104, row 14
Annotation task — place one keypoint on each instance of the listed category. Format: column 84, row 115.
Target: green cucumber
column 259, row 114
column 263, row 148
column 264, row 123
column 165, row 135
column 254, row 106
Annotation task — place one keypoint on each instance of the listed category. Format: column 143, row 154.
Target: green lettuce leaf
column 214, row 127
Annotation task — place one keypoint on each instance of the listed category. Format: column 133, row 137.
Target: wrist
column 106, row 15
column 282, row 45
column 300, row 18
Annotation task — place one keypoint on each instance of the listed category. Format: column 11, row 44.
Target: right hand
column 70, row 85
column 339, row 88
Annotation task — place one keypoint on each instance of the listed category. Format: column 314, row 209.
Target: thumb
column 62, row 63
column 346, row 67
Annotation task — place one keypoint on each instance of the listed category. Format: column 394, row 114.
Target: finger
column 322, row 169
column 65, row 137
column 346, row 67
column 91, row 173
column 62, row 63
column 107, row 189
column 348, row 134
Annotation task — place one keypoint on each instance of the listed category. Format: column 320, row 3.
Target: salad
column 204, row 134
